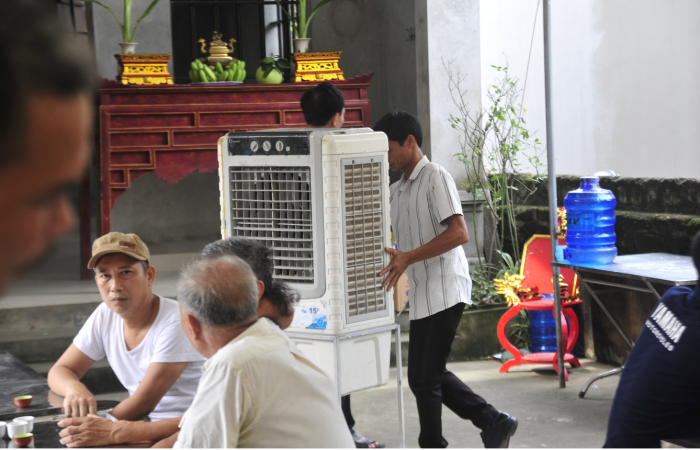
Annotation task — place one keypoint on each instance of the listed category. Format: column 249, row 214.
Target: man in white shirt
column 427, row 220
column 257, row 390
column 138, row 332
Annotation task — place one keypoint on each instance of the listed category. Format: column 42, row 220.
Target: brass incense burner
column 218, row 50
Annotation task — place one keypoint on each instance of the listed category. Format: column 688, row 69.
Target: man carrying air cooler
column 427, row 220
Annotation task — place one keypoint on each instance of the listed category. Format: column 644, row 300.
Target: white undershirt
column 103, row 335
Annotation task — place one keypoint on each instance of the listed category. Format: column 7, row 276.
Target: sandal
column 363, row 442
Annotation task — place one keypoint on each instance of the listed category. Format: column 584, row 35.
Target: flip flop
column 363, row 442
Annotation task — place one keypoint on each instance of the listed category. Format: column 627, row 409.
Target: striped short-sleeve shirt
column 419, row 207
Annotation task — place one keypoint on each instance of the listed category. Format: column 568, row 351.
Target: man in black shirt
column 658, row 396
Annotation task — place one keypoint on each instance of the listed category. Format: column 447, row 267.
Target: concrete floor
column 549, row 417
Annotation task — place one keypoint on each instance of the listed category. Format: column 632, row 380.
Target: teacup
column 23, row 401
column 16, row 427
column 23, row 440
column 29, row 420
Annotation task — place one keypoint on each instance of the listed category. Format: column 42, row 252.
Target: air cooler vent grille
column 364, row 227
column 273, row 205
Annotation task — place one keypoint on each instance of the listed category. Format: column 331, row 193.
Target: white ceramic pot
column 128, row 48
column 302, row 45
column 30, row 422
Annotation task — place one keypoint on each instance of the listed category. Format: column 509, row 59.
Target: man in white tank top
column 139, row 333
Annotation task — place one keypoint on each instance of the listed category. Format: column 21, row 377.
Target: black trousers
column 430, row 343
column 345, row 406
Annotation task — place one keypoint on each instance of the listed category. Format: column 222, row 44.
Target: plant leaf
column 145, row 13
column 283, row 63
column 283, row 9
column 112, row 12
column 268, row 60
column 313, row 11
column 267, row 70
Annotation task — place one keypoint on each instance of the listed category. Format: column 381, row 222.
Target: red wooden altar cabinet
column 172, row 130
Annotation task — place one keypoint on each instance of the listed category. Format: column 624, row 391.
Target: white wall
column 625, row 84
column 447, row 33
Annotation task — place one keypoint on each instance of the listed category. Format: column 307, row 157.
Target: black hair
column 259, row 258
column 38, row 58
column 695, row 251
column 398, row 125
column 321, row 103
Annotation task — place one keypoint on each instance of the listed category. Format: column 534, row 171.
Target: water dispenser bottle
column 543, row 332
column 590, row 236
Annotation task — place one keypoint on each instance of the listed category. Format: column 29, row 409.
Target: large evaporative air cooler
column 319, row 198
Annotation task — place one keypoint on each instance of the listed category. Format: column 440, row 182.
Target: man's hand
column 79, row 401
column 398, row 265
column 455, row 234
column 91, row 431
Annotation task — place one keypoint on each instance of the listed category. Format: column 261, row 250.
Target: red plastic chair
column 538, row 273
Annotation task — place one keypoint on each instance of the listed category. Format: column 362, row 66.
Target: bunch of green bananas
column 200, row 72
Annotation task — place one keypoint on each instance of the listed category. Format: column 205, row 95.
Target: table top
column 663, row 268
column 46, row 436
column 17, row 378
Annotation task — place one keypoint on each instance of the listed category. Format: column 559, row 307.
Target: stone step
column 39, row 319
column 38, row 346
column 41, row 349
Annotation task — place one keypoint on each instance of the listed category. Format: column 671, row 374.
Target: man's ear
column 410, row 141
column 151, row 275
column 261, row 289
column 337, row 120
column 194, row 327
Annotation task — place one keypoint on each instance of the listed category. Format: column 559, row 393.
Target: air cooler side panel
column 364, row 219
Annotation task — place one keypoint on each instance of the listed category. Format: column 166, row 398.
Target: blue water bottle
column 543, row 332
column 590, row 216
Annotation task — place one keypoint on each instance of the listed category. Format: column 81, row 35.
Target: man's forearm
column 60, row 379
column 132, row 432
column 168, row 442
column 452, row 237
column 131, row 409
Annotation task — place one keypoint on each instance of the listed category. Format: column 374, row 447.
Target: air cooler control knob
column 254, row 146
column 279, row 145
column 267, row 146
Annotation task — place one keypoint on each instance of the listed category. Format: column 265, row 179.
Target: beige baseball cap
column 115, row 242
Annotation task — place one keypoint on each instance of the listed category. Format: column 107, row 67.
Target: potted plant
column 301, row 25
column 128, row 45
column 270, row 70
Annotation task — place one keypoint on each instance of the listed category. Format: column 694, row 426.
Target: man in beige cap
column 139, row 333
